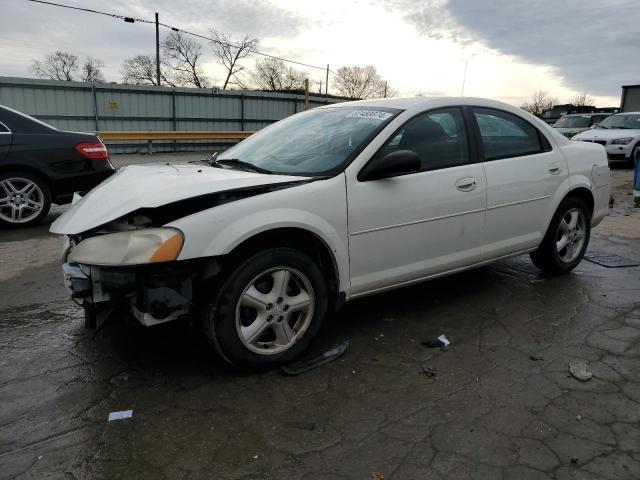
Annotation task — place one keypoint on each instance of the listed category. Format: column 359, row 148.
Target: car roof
column 420, row 102
column 589, row 114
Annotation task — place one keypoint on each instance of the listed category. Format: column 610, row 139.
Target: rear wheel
column 24, row 200
column 268, row 310
column 566, row 239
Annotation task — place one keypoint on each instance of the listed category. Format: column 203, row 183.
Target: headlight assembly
column 136, row 247
column 622, row 141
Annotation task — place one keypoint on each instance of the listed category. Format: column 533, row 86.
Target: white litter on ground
column 120, row 415
column 445, row 341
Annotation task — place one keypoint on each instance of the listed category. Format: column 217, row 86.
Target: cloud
column 592, row 45
column 29, row 31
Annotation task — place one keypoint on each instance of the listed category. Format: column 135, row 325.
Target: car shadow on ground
column 180, row 348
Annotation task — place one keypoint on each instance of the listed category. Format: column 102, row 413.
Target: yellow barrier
column 149, row 136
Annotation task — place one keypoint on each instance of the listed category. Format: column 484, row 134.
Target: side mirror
column 392, row 164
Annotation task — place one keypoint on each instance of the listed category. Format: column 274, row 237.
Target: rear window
column 505, row 135
column 20, row 123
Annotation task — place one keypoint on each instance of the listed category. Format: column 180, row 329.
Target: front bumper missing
column 151, row 295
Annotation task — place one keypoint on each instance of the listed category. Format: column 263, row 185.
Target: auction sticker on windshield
column 375, row 114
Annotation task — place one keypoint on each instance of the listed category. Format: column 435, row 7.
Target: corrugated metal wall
column 103, row 106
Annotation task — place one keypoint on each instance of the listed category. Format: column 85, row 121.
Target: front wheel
column 566, row 239
column 268, row 310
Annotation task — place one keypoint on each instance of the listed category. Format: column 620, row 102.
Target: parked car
column 570, row 125
column 41, row 165
column 326, row 206
column 552, row 115
column 619, row 134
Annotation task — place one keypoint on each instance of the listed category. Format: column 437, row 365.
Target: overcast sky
column 512, row 47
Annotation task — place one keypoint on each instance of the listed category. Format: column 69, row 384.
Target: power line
column 89, row 10
column 175, row 29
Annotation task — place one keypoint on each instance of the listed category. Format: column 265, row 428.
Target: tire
column 554, row 260
column 25, row 200
column 250, row 301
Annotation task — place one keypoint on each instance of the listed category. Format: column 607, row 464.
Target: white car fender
column 320, row 208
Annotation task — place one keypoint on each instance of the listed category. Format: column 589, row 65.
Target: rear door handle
column 466, row 184
column 554, row 168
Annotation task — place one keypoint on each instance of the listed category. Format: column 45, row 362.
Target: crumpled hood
column 606, row 134
column 153, row 185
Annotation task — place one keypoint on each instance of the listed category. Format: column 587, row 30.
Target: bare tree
column 56, row 66
column 230, row 53
column 360, row 82
column 141, row 70
column 92, row 70
column 583, row 100
column 540, row 101
column 273, row 74
column 181, row 56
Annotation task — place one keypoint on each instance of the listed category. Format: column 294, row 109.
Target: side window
column 438, row 137
column 3, row 129
column 506, row 135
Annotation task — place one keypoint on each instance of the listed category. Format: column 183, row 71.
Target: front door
column 409, row 227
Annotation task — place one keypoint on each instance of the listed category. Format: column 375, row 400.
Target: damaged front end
column 128, row 267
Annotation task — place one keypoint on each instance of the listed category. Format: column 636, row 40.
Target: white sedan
column 619, row 134
column 266, row 239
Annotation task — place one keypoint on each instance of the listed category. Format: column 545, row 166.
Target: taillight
column 94, row 151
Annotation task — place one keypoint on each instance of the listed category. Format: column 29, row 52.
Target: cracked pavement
column 501, row 404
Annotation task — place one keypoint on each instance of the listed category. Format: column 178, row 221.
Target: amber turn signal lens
column 169, row 250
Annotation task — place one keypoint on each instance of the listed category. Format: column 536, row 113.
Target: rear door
column 5, row 141
column 523, row 174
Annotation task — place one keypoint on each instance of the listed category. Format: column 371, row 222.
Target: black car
column 41, row 165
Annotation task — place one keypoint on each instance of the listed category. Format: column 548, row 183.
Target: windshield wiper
column 243, row 165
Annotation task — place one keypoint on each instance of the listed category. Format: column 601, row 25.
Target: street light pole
column 464, row 77
column 157, row 51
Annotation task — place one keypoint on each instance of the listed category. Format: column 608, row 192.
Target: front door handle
column 554, row 168
column 466, row 184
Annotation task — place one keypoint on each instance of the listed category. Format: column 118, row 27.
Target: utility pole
column 157, row 50
column 326, row 83
column 306, row 94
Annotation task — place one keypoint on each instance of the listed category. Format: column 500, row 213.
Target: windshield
column 316, row 142
column 622, row 121
column 572, row 122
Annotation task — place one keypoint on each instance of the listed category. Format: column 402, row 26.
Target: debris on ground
column 441, row 342
column 428, row 371
column 377, row 476
column 301, row 366
column 535, row 358
column 574, row 460
column 578, row 417
column 580, row 370
column 610, row 260
column 301, row 425
column 120, row 415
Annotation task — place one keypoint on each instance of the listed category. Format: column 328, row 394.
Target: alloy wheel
column 570, row 235
column 21, row 200
column 274, row 310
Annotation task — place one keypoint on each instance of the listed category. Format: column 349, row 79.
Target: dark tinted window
column 506, row 135
column 21, row 123
column 438, row 137
column 3, row 129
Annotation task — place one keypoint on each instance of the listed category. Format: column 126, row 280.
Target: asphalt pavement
column 499, row 403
